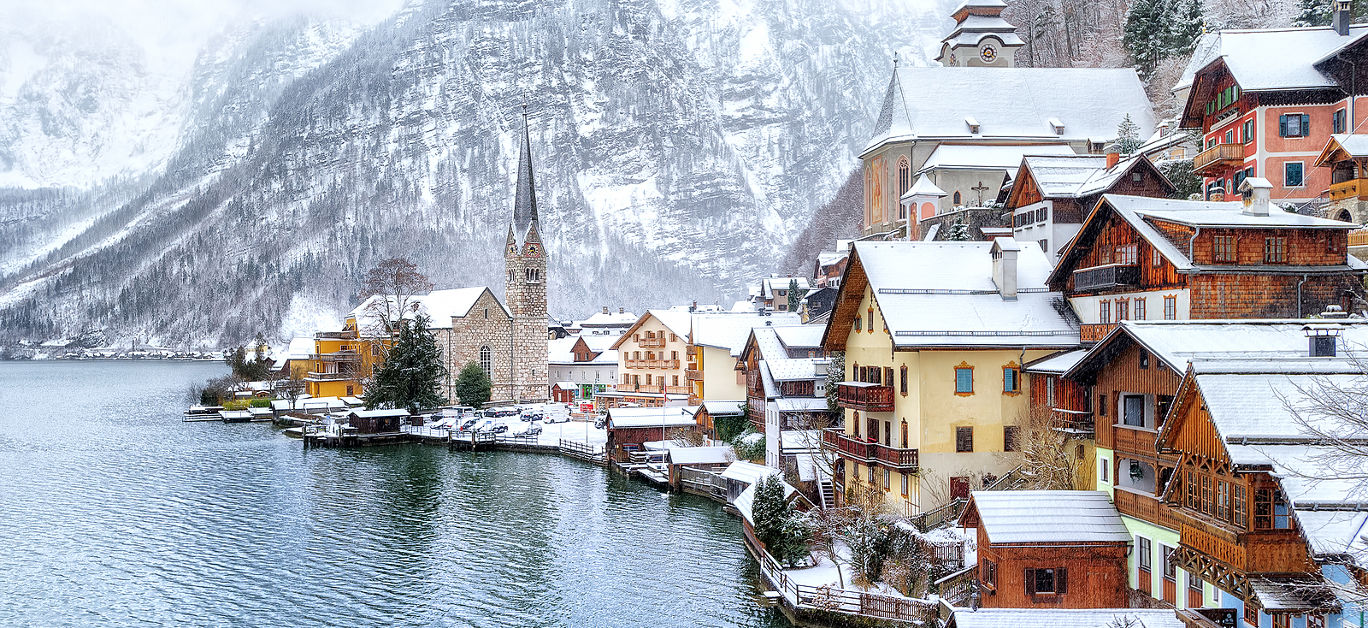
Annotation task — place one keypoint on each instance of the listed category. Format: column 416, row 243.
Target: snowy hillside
column 680, row 146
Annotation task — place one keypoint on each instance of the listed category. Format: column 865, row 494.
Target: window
column 1046, row 581
column 1294, row 174
column 1251, row 613
column 1144, row 359
column 957, row 197
column 989, row 575
column 1195, row 585
column 1102, row 404
column 1144, row 554
column 859, row 324
column 1170, row 308
column 902, row 382
column 1224, row 246
column 1125, row 254
column 1230, row 136
column 1050, row 383
column 888, row 433
column 1122, row 309
column 1102, row 466
column 1238, row 512
column 674, row 380
column 1140, row 308
column 487, row 360
column 904, row 177
column 1211, row 143
column 1275, row 250
column 888, row 480
column 964, row 440
column 904, row 436
column 904, row 483
column 964, row 380
column 1133, row 410
column 1208, row 506
column 1337, row 121
column 1170, row 567
column 1011, row 379
column 1315, row 621
column 1222, row 500
column 1010, row 436
column 1193, row 501
column 871, row 319
column 1247, row 133
column 1104, row 312
column 871, row 475
column 1156, row 259
column 1294, row 125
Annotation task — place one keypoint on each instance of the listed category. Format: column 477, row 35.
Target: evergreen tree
column 412, row 371
column 1185, row 27
column 473, row 386
column 1127, row 136
column 959, row 232
column 782, row 531
column 795, row 295
column 1180, row 173
column 1313, row 13
column 1146, row 33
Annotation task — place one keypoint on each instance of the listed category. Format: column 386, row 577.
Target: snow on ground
column 826, row 573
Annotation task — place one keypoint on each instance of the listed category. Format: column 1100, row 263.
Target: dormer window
column 1057, row 125
column 972, row 123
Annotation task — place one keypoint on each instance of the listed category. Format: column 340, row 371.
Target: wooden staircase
column 827, row 493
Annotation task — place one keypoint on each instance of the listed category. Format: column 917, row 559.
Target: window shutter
column 1062, row 580
column 1030, row 581
column 1305, row 125
column 1282, row 125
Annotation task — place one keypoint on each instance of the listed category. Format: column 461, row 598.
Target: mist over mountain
column 680, row 146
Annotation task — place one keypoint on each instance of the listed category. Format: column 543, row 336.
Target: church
column 960, row 128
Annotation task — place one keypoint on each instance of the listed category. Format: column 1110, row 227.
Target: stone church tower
column 525, row 294
column 982, row 38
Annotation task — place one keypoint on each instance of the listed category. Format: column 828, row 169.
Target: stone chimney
column 1257, row 192
column 1005, row 252
column 1342, row 16
column 1113, row 158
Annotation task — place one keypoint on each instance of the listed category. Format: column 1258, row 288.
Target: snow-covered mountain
column 679, row 145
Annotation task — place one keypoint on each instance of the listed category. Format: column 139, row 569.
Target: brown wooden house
column 1259, row 509
column 1051, row 194
column 629, row 429
column 1052, row 549
column 1139, row 258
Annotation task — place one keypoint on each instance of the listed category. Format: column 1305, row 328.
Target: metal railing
column 832, row 598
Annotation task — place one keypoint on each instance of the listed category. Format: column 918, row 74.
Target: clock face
column 533, row 250
column 512, row 249
column 988, row 54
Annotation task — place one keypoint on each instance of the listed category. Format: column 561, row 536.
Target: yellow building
column 716, row 340
column 934, row 335
column 342, row 360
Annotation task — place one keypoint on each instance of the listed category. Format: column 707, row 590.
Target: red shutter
column 1030, row 581
column 1062, row 580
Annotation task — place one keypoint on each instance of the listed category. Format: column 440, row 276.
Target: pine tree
column 959, row 232
column 412, row 371
column 1145, row 34
column 1185, row 27
column 473, row 386
column 778, row 526
column 1313, row 13
column 795, row 295
column 1127, row 136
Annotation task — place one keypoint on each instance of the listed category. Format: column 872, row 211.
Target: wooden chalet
column 1051, row 549
column 1051, row 194
column 1263, row 512
column 376, row 421
column 1138, row 258
column 629, row 429
column 707, row 413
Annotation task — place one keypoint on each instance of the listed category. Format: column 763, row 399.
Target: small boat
column 235, row 416
column 202, row 413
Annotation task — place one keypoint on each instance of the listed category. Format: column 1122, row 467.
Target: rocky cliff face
column 680, row 145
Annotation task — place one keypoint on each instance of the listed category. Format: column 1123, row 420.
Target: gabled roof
column 730, row 330
column 1014, row 103
column 1343, row 147
column 941, row 294
column 674, row 320
column 665, row 416
column 1077, row 176
column 1056, row 364
column 439, row 305
column 1029, row 517
column 923, row 187
column 986, row 157
column 1271, row 58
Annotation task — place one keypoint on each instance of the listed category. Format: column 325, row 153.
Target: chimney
column 1005, row 266
column 622, row 310
column 1340, row 20
column 1113, row 158
column 1256, row 192
column 1321, row 339
column 605, row 309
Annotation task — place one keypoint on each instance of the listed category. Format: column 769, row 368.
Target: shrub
column 259, row 403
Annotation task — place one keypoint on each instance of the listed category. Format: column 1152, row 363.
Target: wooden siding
column 1107, row 246
column 1221, row 296
column 1096, row 574
column 1122, row 374
column 1305, row 247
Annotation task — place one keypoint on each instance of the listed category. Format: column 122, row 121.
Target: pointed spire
column 525, row 196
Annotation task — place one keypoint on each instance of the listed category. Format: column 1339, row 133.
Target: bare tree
column 399, row 285
column 1046, row 462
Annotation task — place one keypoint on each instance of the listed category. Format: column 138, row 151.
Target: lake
column 114, row 512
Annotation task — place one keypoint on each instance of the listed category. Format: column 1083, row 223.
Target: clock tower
column 981, row 38
column 525, row 290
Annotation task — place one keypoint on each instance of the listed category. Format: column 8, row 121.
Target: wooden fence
column 831, row 598
column 583, row 451
column 957, row 587
column 703, row 482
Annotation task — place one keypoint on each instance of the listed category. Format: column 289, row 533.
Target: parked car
column 532, row 429
column 500, row 428
column 469, row 423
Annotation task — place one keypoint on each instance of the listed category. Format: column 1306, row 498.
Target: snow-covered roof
column 1074, row 176
column 608, row 319
column 800, row 336
column 1271, row 58
column 793, row 369
column 301, row 347
column 746, row 499
column 729, row 330
column 769, row 284
column 1012, row 517
column 827, row 258
column 986, row 157
column 1015, row 103
column 379, row 413
column 309, row 403
column 720, row 454
column 723, row 407
column 1176, row 343
column 668, row 416
column 1065, row 618
column 801, row 439
column 923, row 187
column 1058, row 363
column 801, row 404
column 748, row 472
column 1335, row 532
column 439, row 305
column 942, row 294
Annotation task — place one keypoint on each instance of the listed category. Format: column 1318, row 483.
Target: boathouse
column 376, row 421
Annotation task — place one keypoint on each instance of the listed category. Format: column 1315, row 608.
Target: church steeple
column 525, row 195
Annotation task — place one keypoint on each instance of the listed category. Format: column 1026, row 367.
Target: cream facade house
column 652, row 357
column 716, row 342
column 935, row 335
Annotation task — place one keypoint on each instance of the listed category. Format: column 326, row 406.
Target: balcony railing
column 652, row 343
column 693, row 375
column 315, row 376
column 1358, row 238
column 1219, row 156
column 651, row 364
column 336, row 356
column 847, row 446
column 865, row 397
column 1351, row 189
column 1076, row 422
column 336, row 335
column 1106, row 276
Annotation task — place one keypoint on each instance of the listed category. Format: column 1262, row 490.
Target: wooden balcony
column 1093, row 332
column 1105, row 276
column 1134, row 440
column 693, row 375
column 1358, row 238
column 1351, row 189
column 846, row 446
column 865, row 397
column 652, row 343
column 1072, row 422
column 1145, row 507
column 1219, row 157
